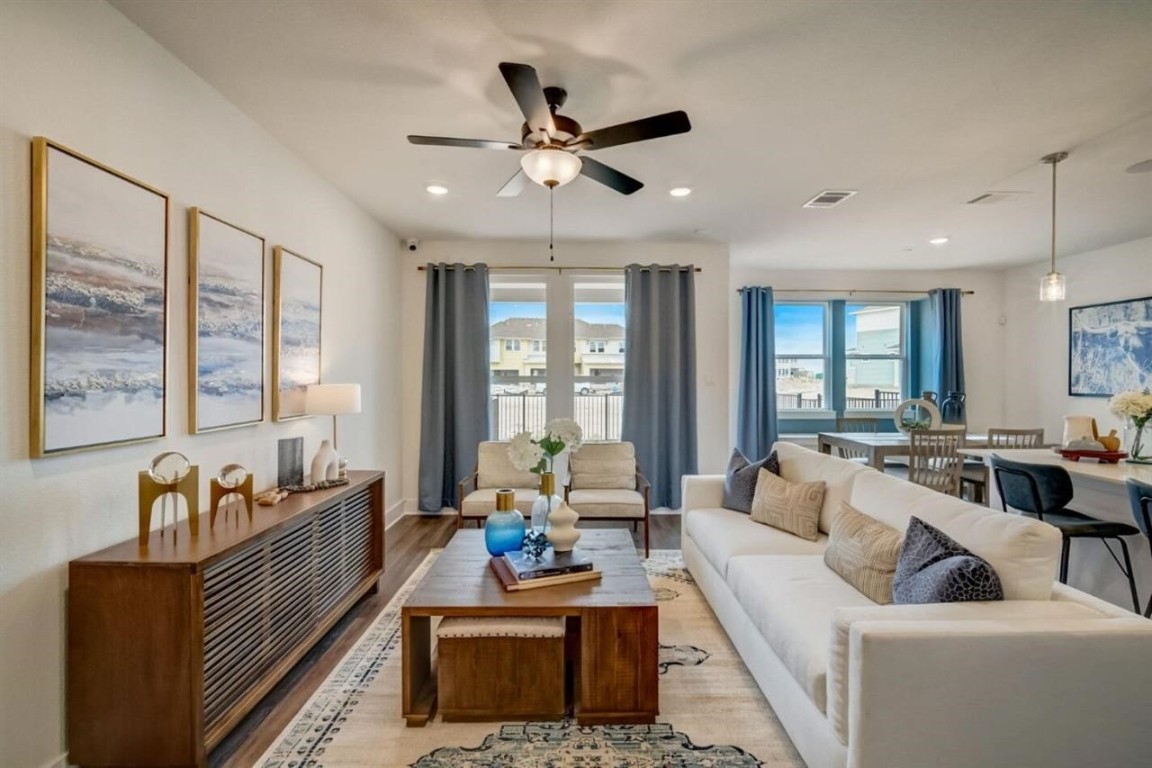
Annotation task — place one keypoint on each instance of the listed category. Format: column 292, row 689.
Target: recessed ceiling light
column 436, row 189
column 938, row 241
column 680, row 191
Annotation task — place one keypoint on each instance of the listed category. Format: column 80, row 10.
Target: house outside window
column 875, row 359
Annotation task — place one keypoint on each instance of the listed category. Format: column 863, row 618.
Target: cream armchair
column 494, row 470
column 606, row 484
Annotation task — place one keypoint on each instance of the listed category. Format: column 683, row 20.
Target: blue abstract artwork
column 1110, row 348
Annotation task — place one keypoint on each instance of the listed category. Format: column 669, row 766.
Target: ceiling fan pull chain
column 551, row 222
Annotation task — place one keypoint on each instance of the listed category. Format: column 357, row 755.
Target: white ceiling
column 919, row 105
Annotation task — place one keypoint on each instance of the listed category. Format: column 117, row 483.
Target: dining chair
column 856, row 424
column 1043, row 491
column 974, row 474
column 933, row 460
column 1140, row 494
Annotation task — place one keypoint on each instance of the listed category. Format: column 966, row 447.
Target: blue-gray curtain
column 660, row 375
column 949, row 351
column 454, row 409
column 756, row 428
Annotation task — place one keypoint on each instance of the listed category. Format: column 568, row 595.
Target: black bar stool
column 1043, row 491
column 1141, row 496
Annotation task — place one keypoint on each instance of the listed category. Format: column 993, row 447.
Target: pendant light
column 1052, row 284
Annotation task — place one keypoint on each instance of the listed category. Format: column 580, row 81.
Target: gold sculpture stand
column 216, row 492
column 150, row 490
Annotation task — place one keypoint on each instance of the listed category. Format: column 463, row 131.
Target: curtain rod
column 422, row 268
column 849, row 291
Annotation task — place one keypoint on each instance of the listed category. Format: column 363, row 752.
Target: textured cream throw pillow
column 864, row 552
column 792, row 507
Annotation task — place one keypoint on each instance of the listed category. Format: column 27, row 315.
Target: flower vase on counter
column 1135, row 408
column 504, row 528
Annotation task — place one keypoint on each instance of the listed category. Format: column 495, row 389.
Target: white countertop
column 1087, row 468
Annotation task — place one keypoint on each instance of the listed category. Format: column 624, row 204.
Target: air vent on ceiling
column 829, row 198
column 988, row 198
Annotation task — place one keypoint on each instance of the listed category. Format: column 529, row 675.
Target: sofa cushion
column 791, row 507
column 740, row 479
column 800, row 465
column 843, row 618
column 479, row 503
column 935, row 569
column 722, row 534
column 604, row 465
column 1024, row 551
column 495, row 469
column 607, row 502
column 864, row 551
column 790, row 599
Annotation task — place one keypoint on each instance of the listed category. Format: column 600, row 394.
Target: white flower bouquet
column 538, row 454
column 1136, row 407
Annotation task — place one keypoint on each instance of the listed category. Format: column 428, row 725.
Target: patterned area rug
column 712, row 713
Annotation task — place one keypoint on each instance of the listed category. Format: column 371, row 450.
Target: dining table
column 878, row 446
column 1098, row 490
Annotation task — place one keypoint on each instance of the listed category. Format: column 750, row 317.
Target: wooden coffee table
column 614, row 618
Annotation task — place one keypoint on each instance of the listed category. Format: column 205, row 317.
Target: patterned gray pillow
column 935, row 569
column 740, row 480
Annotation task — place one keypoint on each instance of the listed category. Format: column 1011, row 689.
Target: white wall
column 711, row 324
column 981, row 311
column 81, row 74
column 1036, row 374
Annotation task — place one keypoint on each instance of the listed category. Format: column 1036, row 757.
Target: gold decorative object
column 232, row 479
column 170, row 473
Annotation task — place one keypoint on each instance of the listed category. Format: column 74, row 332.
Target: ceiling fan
column 553, row 145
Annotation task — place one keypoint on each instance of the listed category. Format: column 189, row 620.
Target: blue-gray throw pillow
column 933, row 568
column 740, row 480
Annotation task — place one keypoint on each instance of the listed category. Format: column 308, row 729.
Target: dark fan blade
column 440, row 141
column 515, row 185
column 668, row 124
column 609, row 177
column 529, row 95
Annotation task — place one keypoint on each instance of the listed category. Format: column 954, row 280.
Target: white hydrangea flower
column 1132, row 405
column 566, row 431
column 524, row 453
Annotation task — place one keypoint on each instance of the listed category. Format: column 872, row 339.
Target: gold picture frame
column 99, row 339
column 297, row 322
column 226, row 319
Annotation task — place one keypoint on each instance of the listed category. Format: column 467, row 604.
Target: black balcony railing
column 600, row 415
column 880, row 400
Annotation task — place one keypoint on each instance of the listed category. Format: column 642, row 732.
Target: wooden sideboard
column 170, row 645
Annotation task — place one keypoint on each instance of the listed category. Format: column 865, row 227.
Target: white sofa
column 1049, row 677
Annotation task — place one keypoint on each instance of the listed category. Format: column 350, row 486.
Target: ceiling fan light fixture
column 551, row 166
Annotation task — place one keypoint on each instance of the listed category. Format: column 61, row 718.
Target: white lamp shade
column 551, row 167
column 332, row 399
column 1052, row 287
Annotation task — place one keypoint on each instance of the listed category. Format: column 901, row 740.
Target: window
column 801, row 356
column 874, row 356
column 584, row 314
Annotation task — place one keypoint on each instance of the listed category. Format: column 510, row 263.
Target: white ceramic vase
column 326, row 464
column 562, row 528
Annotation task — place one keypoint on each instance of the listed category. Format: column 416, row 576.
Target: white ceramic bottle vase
column 326, row 464
column 562, row 528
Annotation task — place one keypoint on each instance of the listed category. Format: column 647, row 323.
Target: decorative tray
column 1105, row 457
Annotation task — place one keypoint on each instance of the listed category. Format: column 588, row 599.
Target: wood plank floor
column 407, row 544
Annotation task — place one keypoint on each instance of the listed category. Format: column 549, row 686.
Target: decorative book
column 511, row 584
column 551, row 563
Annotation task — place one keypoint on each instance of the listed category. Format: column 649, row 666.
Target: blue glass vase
column 504, row 528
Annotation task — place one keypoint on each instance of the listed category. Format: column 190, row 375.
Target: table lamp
column 330, row 400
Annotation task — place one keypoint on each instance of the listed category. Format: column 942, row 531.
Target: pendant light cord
column 1054, row 164
column 552, row 221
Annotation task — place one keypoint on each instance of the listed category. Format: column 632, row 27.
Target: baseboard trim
column 59, row 762
column 394, row 513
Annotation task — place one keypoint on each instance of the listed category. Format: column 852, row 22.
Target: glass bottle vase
column 952, row 410
column 547, row 501
column 504, row 528
column 1138, row 439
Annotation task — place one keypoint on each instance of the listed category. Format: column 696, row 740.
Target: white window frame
column 811, row 413
column 902, row 357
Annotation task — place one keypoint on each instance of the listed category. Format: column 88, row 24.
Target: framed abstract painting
column 297, row 288
column 225, row 324
column 99, row 305
column 1110, row 348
